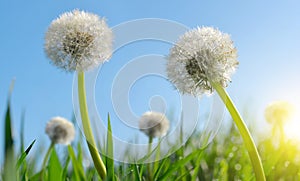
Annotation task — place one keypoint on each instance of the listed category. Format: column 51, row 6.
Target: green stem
column 46, row 159
column 149, row 152
column 157, row 157
column 99, row 165
column 249, row 143
column 281, row 134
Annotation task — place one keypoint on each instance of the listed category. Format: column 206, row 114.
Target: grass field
column 224, row 159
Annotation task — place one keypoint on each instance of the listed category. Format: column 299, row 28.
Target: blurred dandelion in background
column 280, row 114
column 154, row 124
column 60, row 131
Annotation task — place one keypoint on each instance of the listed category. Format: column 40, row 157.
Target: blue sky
column 266, row 34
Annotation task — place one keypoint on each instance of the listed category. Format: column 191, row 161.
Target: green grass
column 226, row 158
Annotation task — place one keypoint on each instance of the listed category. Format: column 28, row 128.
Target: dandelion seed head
column 201, row 55
column 154, row 124
column 238, row 166
column 78, row 41
column 60, row 130
column 279, row 112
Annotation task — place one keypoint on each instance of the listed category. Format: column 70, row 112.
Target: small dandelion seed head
column 78, row 41
column 286, row 163
column 60, row 130
column 279, row 112
column 238, row 166
column 201, row 55
column 154, row 124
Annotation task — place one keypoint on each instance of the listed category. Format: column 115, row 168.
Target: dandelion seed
column 200, row 56
column 154, row 124
column 60, row 130
column 78, row 41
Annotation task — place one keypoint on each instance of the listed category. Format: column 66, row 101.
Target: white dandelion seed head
column 279, row 112
column 78, row 40
column 201, row 55
column 154, row 124
column 60, row 130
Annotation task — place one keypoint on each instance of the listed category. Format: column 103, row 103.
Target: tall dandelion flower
column 203, row 60
column 78, row 41
column 200, row 56
column 154, row 124
column 60, row 131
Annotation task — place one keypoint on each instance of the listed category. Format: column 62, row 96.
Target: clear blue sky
column 266, row 34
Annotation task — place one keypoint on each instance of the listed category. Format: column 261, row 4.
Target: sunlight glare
column 292, row 128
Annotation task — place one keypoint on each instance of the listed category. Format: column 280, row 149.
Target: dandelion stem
column 46, row 159
column 157, row 157
column 281, row 130
column 149, row 152
column 150, row 144
column 249, row 143
column 100, row 167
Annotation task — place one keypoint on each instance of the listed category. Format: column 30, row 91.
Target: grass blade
column 8, row 145
column 54, row 167
column 80, row 155
column 179, row 164
column 184, row 175
column 137, row 173
column 109, row 152
column 22, row 132
column 9, row 161
column 159, row 169
column 36, row 177
column 195, row 174
column 24, row 154
column 65, row 169
column 76, row 165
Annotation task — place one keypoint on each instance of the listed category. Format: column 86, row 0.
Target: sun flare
column 292, row 128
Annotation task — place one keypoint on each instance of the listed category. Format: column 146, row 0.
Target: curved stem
column 249, row 143
column 87, row 127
